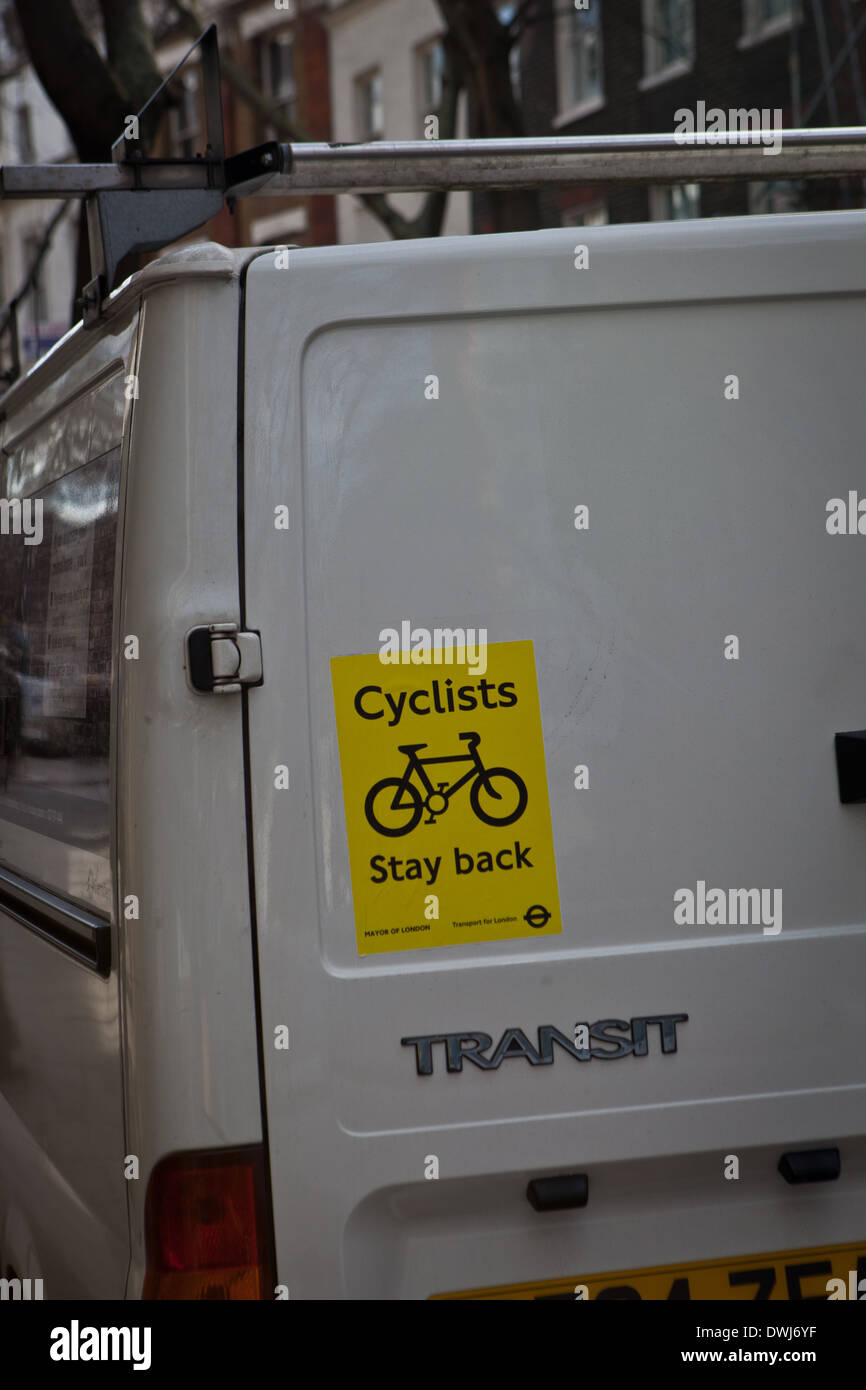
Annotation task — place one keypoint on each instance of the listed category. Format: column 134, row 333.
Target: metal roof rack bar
column 665, row 158
column 466, row 164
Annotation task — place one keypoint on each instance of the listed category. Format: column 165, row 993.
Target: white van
column 287, row 1011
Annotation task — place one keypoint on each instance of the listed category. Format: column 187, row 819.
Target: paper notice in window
column 68, row 622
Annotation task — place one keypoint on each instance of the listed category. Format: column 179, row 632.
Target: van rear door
column 617, row 461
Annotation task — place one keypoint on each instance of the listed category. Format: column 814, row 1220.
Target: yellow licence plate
column 789, row 1275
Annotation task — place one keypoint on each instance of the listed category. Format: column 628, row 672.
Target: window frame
column 38, row 862
column 285, row 39
column 77, row 929
column 180, row 134
column 756, row 29
column 426, row 107
column 655, row 70
column 571, row 106
column 594, row 214
column 360, row 84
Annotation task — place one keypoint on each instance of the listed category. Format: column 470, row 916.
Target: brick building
column 622, row 66
column 283, row 52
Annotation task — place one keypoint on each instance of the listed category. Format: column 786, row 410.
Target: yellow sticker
column 446, row 799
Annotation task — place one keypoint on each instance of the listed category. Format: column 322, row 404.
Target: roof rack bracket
column 250, row 170
column 144, row 220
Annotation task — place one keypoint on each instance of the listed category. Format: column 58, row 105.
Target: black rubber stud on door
column 558, row 1194
column 810, row 1165
column 851, row 766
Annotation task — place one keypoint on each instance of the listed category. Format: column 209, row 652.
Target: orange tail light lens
column 206, row 1227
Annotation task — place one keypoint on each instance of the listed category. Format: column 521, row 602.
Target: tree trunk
column 74, row 75
column 130, row 51
column 485, row 46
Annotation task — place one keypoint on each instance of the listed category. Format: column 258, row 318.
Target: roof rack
column 143, row 203
column 421, row 165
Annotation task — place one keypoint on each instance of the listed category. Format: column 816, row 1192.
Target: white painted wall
column 367, row 34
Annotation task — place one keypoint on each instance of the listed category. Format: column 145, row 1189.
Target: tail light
column 207, row 1229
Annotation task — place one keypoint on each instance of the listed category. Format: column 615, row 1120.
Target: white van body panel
column 63, row 1207
column 187, row 966
column 561, row 387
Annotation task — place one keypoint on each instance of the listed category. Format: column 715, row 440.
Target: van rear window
column 56, row 597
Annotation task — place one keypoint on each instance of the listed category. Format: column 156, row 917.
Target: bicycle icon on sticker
column 395, row 805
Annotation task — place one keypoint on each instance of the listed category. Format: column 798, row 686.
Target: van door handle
column 221, row 659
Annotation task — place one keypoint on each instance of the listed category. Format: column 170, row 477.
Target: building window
column 579, row 60
column 783, row 195
column 593, row 215
column 370, row 106
column 186, row 116
column 676, row 203
column 278, row 75
column 763, row 18
column 668, row 36
column 24, row 134
column 429, row 63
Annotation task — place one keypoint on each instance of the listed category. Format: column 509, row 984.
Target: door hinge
column 221, row 659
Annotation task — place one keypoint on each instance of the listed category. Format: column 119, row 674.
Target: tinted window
column 56, row 595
